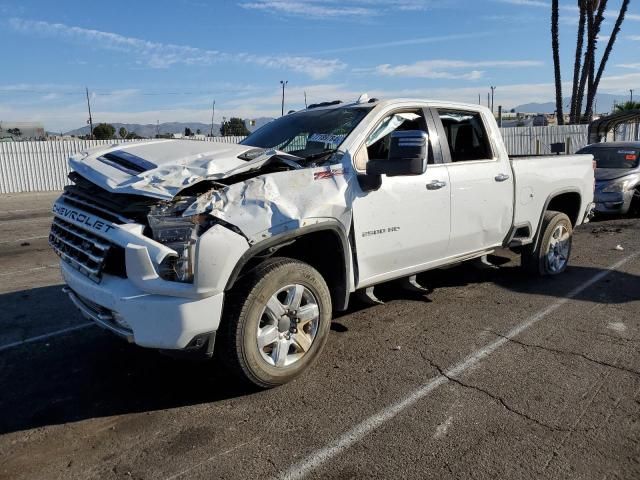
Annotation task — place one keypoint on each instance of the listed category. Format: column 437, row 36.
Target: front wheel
column 553, row 250
column 276, row 322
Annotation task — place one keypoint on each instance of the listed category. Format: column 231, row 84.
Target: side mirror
column 407, row 155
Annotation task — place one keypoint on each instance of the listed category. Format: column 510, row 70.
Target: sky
column 167, row 60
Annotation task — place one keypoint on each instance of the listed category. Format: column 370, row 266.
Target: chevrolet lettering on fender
column 242, row 252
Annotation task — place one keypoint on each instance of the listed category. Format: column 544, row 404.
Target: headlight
column 178, row 233
column 620, row 186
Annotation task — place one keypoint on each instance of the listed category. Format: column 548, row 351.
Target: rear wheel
column 276, row 322
column 553, row 250
column 634, row 210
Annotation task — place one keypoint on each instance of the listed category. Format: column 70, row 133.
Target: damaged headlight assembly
column 178, row 233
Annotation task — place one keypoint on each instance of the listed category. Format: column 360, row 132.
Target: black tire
column 237, row 339
column 634, row 209
column 534, row 258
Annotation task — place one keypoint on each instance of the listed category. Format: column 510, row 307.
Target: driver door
column 403, row 226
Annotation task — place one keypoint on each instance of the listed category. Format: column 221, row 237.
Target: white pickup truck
column 187, row 246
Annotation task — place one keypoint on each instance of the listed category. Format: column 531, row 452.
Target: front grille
column 84, row 251
column 89, row 205
column 115, row 207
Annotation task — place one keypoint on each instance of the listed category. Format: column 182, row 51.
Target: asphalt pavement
column 494, row 374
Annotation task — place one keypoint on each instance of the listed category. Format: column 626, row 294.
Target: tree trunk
column 555, row 45
column 576, row 68
column 591, row 90
column 587, row 61
column 610, row 43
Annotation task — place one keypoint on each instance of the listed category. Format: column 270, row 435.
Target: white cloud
column 632, row 66
column 538, row 3
column 165, row 55
column 303, row 9
column 72, row 115
column 526, row 3
column 447, row 69
column 405, row 42
column 634, row 37
column 335, row 8
column 632, row 16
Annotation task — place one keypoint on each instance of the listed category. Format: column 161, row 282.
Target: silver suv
column 617, row 176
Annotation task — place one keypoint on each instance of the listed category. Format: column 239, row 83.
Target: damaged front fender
column 268, row 205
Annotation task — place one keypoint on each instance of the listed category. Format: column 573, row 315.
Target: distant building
column 22, row 130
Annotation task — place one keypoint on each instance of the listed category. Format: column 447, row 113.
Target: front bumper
column 146, row 319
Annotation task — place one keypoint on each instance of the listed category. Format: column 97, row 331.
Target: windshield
column 310, row 132
column 614, row 157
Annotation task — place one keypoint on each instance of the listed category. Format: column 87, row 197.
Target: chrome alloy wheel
column 559, row 248
column 288, row 325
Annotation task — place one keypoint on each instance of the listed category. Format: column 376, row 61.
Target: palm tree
column 555, row 46
column 626, row 106
column 573, row 115
column 595, row 15
column 607, row 52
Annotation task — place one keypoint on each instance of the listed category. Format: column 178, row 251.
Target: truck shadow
column 512, row 278
column 89, row 373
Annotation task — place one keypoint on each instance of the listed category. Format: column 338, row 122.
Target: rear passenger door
column 481, row 182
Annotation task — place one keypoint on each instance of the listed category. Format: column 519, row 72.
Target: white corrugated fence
column 42, row 166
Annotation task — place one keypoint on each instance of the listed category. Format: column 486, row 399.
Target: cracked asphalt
column 493, row 374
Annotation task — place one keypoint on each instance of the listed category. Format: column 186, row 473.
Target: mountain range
column 150, row 130
column 605, row 102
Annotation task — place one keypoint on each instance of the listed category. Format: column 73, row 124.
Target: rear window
column 614, row 157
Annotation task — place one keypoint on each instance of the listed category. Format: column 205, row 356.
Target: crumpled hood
column 161, row 168
column 604, row 174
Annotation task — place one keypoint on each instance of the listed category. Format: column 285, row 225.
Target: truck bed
column 538, row 178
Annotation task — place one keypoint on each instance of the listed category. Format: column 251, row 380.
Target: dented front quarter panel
column 275, row 203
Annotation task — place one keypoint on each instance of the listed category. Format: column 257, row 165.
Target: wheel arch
column 324, row 246
column 567, row 201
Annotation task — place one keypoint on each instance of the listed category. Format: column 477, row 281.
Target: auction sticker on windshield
column 327, row 138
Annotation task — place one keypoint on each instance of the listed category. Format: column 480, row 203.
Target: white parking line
column 45, row 336
column 25, row 239
column 316, row 459
column 32, row 210
column 32, row 220
column 28, row 270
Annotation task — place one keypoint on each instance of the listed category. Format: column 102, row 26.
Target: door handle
column 502, row 177
column 436, row 185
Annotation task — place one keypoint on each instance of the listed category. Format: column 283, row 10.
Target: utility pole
column 493, row 89
column 90, row 119
column 213, row 112
column 631, row 92
column 305, row 99
column 479, row 101
column 488, row 100
column 284, row 84
column 157, row 128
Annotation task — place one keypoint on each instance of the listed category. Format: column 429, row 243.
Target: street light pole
column 631, row 91
column 284, row 84
column 493, row 89
column 90, row 119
